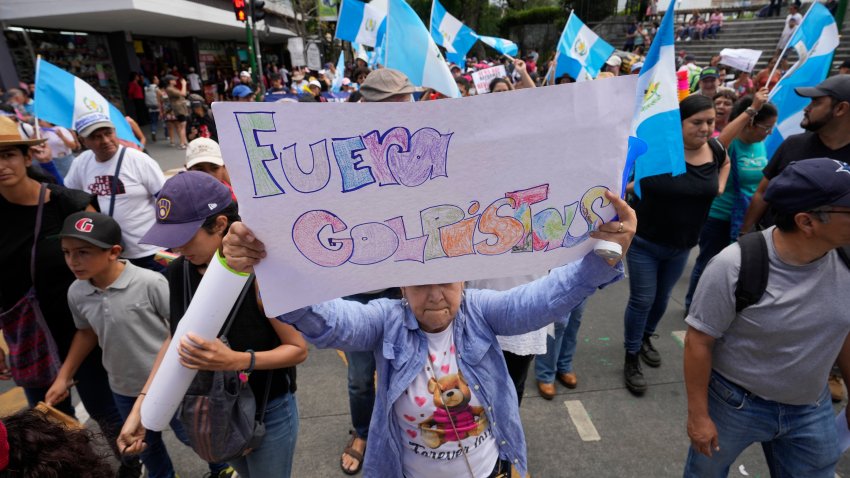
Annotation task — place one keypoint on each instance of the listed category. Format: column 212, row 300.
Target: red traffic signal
column 239, row 8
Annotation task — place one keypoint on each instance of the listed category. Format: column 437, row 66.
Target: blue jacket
column 391, row 331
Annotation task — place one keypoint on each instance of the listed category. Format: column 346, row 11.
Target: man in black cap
column 827, row 123
column 759, row 374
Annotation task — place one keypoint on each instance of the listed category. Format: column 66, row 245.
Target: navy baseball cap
column 184, row 203
column 808, row 184
column 93, row 227
column 709, row 72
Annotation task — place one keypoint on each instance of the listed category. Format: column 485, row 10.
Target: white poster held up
column 314, row 57
column 295, row 45
column 482, row 78
column 740, row 58
column 364, row 196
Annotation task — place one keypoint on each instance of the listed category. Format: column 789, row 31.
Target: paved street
column 596, row 430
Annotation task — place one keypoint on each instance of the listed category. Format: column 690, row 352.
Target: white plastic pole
column 216, row 295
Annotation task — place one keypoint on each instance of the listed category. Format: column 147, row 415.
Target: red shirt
column 135, row 92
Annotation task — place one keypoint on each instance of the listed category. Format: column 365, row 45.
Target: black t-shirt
column 673, row 209
column 250, row 330
column 802, row 146
column 52, row 274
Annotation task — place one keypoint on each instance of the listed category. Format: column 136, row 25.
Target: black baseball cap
column 93, row 227
column 808, row 184
column 182, row 206
column 837, row 86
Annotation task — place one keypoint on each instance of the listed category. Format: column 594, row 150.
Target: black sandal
column 350, row 451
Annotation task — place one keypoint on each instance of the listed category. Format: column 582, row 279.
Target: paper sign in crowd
column 482, row 78
column 363, row 196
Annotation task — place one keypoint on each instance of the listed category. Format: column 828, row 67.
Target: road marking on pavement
column 81, row 413
column 679, row 336
column 581, row 420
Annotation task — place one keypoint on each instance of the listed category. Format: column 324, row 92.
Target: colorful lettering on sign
column 507, row 225
column 396, row 157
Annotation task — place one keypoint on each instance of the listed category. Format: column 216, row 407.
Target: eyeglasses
column 767, row 129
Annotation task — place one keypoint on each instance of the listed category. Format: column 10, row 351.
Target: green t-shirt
column 750, row 159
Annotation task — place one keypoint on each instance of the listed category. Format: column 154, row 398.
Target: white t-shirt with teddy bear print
column 430, row 443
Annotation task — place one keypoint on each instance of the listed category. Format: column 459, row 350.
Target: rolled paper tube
column 210, row 306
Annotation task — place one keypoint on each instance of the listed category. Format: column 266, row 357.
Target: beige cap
column 203, row 150
column 614, row 61
column 385, row 83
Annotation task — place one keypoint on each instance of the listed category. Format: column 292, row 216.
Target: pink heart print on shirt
column 411, row 433
column 433, row 358
column 444, row 369
column 409, row 418
column 420, row 400
column 452, row 349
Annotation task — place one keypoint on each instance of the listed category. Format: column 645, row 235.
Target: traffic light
column 239, row 9
column 257, row 12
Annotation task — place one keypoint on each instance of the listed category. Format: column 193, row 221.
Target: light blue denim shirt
column 391, row 331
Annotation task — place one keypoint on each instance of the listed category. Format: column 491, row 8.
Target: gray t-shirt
column 130, row 319
column 783, row 347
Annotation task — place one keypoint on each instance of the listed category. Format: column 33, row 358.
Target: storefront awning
column 166, row 18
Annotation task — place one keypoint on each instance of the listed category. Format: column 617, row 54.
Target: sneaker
column 633, row 375
column 836, row 387
column 228, row 472
column 648, row 352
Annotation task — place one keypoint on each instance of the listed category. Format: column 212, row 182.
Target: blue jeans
column 155, row 457
column 713, row 238
column 361, row 390
column 560, row 349
column 154, row 117
column 273, row 458
column 797, row 440
column 653, row 271
column 96, row 396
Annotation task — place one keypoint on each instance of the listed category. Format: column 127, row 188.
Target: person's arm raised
column 734, row 127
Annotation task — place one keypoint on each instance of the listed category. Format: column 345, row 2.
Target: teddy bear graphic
column 451, row 393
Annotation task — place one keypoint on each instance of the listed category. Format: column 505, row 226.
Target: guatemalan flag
column 657, row 127
column 581, row 53
column 815, row 41
column 505, row 47
column 340, row 73
column 61, row 98
column 359, row 22
column 451, row 34
column 411, row 50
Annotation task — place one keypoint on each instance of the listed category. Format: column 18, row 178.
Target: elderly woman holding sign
column 445, row 405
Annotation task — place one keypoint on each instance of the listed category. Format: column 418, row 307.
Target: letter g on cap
column 84, row 225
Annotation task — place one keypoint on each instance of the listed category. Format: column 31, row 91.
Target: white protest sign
column 295, row 45
column 482, row 78
column 364, row 196
column 314, row 57
column 740, row 58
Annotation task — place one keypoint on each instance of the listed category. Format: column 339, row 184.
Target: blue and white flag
column 411, row 50
column 505, row 47
column 450, row 33
column 61, row 98
column 340, row 73
column 656, row 118
column 359, row 22
column 581, row 53
column 815, row 41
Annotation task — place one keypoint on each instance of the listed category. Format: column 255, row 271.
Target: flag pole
column 784, row 49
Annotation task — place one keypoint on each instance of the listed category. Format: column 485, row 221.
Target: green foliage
column 532, row 16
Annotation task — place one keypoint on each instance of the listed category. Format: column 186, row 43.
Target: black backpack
column 752, row 278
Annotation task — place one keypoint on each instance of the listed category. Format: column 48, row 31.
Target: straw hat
column 10, row 135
